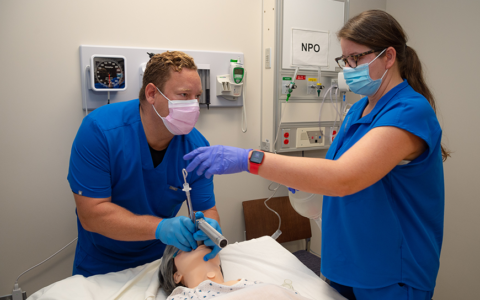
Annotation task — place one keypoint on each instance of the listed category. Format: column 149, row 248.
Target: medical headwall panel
column 211, row 65
column 298, row 38
column 312, row 15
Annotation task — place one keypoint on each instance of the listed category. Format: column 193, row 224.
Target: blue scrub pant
column 391, row 292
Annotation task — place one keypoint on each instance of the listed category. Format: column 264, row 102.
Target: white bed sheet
column 260, row 259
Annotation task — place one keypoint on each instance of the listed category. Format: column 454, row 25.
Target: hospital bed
column 262, row 259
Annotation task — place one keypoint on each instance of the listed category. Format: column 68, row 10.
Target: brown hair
column 158, row 69
column 379, row 30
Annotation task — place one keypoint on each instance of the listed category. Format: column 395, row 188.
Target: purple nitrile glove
column 218, row 160
column 200, row 236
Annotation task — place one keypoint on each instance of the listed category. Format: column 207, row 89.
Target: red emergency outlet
column 285, row 141
column 286, row 134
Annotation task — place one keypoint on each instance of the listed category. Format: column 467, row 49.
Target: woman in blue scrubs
column 382, row 177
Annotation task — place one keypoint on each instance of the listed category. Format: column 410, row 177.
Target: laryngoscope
column 201, row 224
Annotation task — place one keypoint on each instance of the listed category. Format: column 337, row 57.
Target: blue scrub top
column 390, row 232
column 111, row 158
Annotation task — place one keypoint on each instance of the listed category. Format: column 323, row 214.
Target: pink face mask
column 182, row 116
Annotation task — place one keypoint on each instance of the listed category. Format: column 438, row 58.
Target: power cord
column 17, row 291
column 244, row 115
column 277, row 233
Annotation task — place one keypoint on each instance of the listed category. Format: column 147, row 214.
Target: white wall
column 358, row 6
column 41, row 111
column 445, row 35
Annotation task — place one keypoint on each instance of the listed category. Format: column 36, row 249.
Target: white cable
column 321, row 105
column 16, row 281
column 338, row 113
column 336, row 101
column 244, row 115
column 274, row 192
column 85, row 88
column 334, row 106
column 278, row 129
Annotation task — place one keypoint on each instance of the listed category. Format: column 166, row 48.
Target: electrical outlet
column 10, row 297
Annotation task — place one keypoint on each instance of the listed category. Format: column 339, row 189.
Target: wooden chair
column 260, row 221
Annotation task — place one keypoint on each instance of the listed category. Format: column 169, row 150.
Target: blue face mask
column 359, row 81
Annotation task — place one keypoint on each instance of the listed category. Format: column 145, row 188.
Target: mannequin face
column 193, row 270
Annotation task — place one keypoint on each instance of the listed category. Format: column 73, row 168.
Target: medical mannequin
column 188, row 272
column 183, row 274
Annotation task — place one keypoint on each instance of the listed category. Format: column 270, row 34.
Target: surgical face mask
column 182, row 116
column 359, row 81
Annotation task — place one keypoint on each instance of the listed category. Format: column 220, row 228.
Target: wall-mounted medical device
column 107, row 73
column 228, row 89
column 236, row 71
column 107, row 68
column 204, row 73
column 230, row 86
column 301, row 102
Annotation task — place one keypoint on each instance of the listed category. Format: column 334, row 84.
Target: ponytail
column 379, row 30
column 411, row 69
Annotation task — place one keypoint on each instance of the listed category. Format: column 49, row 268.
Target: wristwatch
column 256, row 159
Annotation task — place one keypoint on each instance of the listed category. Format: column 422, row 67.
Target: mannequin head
column 188, row 268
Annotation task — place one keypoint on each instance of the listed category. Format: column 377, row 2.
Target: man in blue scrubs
column 126, row 172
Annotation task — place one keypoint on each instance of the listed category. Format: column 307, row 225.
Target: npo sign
column 309, row 47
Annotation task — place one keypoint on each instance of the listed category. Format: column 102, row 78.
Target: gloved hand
column 218, row 160
column 178, row 232
column 292, row 190
column 200, row 236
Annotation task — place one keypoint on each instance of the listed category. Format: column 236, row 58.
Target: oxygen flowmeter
column 237, row 72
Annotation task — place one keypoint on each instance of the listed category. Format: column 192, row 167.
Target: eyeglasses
column 352, row 60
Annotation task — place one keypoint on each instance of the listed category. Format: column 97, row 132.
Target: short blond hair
column 159, row 66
